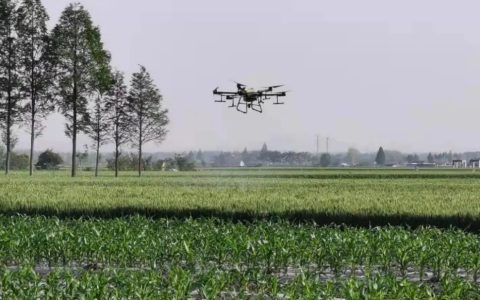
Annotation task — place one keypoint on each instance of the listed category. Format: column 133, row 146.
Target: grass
column 354, row 197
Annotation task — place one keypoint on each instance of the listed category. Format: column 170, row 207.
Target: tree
column 117, row 107
column 380, row 159
column 2, row 154
column 325, row 160
column 430, row 158
column 245, row 156
column 199, row 157
column 412, row 158
column 82, row 156
column 184, row 163
column 75, row 68
column 264, row 152
column 19, row 161
column 191, row 156
column 149, row 120
column 103, row 79
column 353, row 156
column 10, row 108
column 36, row 69
column 48, row 160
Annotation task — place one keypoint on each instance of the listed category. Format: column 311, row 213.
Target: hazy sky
column 402, row 74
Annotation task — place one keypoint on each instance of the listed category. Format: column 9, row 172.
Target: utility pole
column 318, row 144
column 327, row 144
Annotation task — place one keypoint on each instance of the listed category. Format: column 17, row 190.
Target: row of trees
column 68, row 70
column 352, row 157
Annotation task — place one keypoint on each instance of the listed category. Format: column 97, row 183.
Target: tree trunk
column 33, row 104
column 116, row 159
column 140, row 139
column 8, row 133
column 7, row 157
column 74, row 129
column 116, row 149
column 98, row 155
column 140, row 159
column 32, row 140
column 9, row 110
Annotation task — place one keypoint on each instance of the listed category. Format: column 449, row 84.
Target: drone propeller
column 274, row 86
column 239, row 83
column 240, row 86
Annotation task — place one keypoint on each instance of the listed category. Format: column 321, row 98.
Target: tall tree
column 353, row 156
column 264, row 148
column 264, row 153
column 102, row 75
column 118, row 117
column 75, row 70
column 325, row 160
column 380, row 158
column 430, row 158
column 10, row 109
column 149, row 118
column 36, row 69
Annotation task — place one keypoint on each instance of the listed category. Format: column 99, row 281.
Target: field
column 255, row 234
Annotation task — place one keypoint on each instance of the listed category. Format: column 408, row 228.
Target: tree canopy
column 380, row 158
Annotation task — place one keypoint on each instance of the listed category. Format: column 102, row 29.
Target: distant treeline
column 255, row 158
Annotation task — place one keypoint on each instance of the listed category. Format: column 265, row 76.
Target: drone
column 247, row 98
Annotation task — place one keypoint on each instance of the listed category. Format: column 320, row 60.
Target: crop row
column 138, row 242
column 183, row 284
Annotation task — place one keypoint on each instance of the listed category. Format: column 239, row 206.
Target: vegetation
column 36, row 67
column 19, row 161
column 211, row 258
column 353, row 197
column 148, row 119
column 68, row 69
column 49, row 160
column 10, row 79
column 380, row 159
column 241, row 234
column 325, row 160
column 116, row 106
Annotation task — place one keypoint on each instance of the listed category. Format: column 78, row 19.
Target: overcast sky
column 401, row 74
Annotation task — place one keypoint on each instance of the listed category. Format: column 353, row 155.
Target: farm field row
column 210, row 258
column 324, row 196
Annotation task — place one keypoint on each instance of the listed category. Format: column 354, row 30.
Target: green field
column 355, row 197
column 251, row 234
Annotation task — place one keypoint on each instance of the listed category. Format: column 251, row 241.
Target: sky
column 404, row 74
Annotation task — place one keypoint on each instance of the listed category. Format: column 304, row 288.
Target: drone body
column 244, row 98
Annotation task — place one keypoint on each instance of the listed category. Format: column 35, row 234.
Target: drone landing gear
column 242, row 104
column 277, row 102
column 257, row 107
column 221, row 100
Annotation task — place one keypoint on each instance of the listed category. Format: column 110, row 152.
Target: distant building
column 242, row 164
column 474, row 163
column 459, row 163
